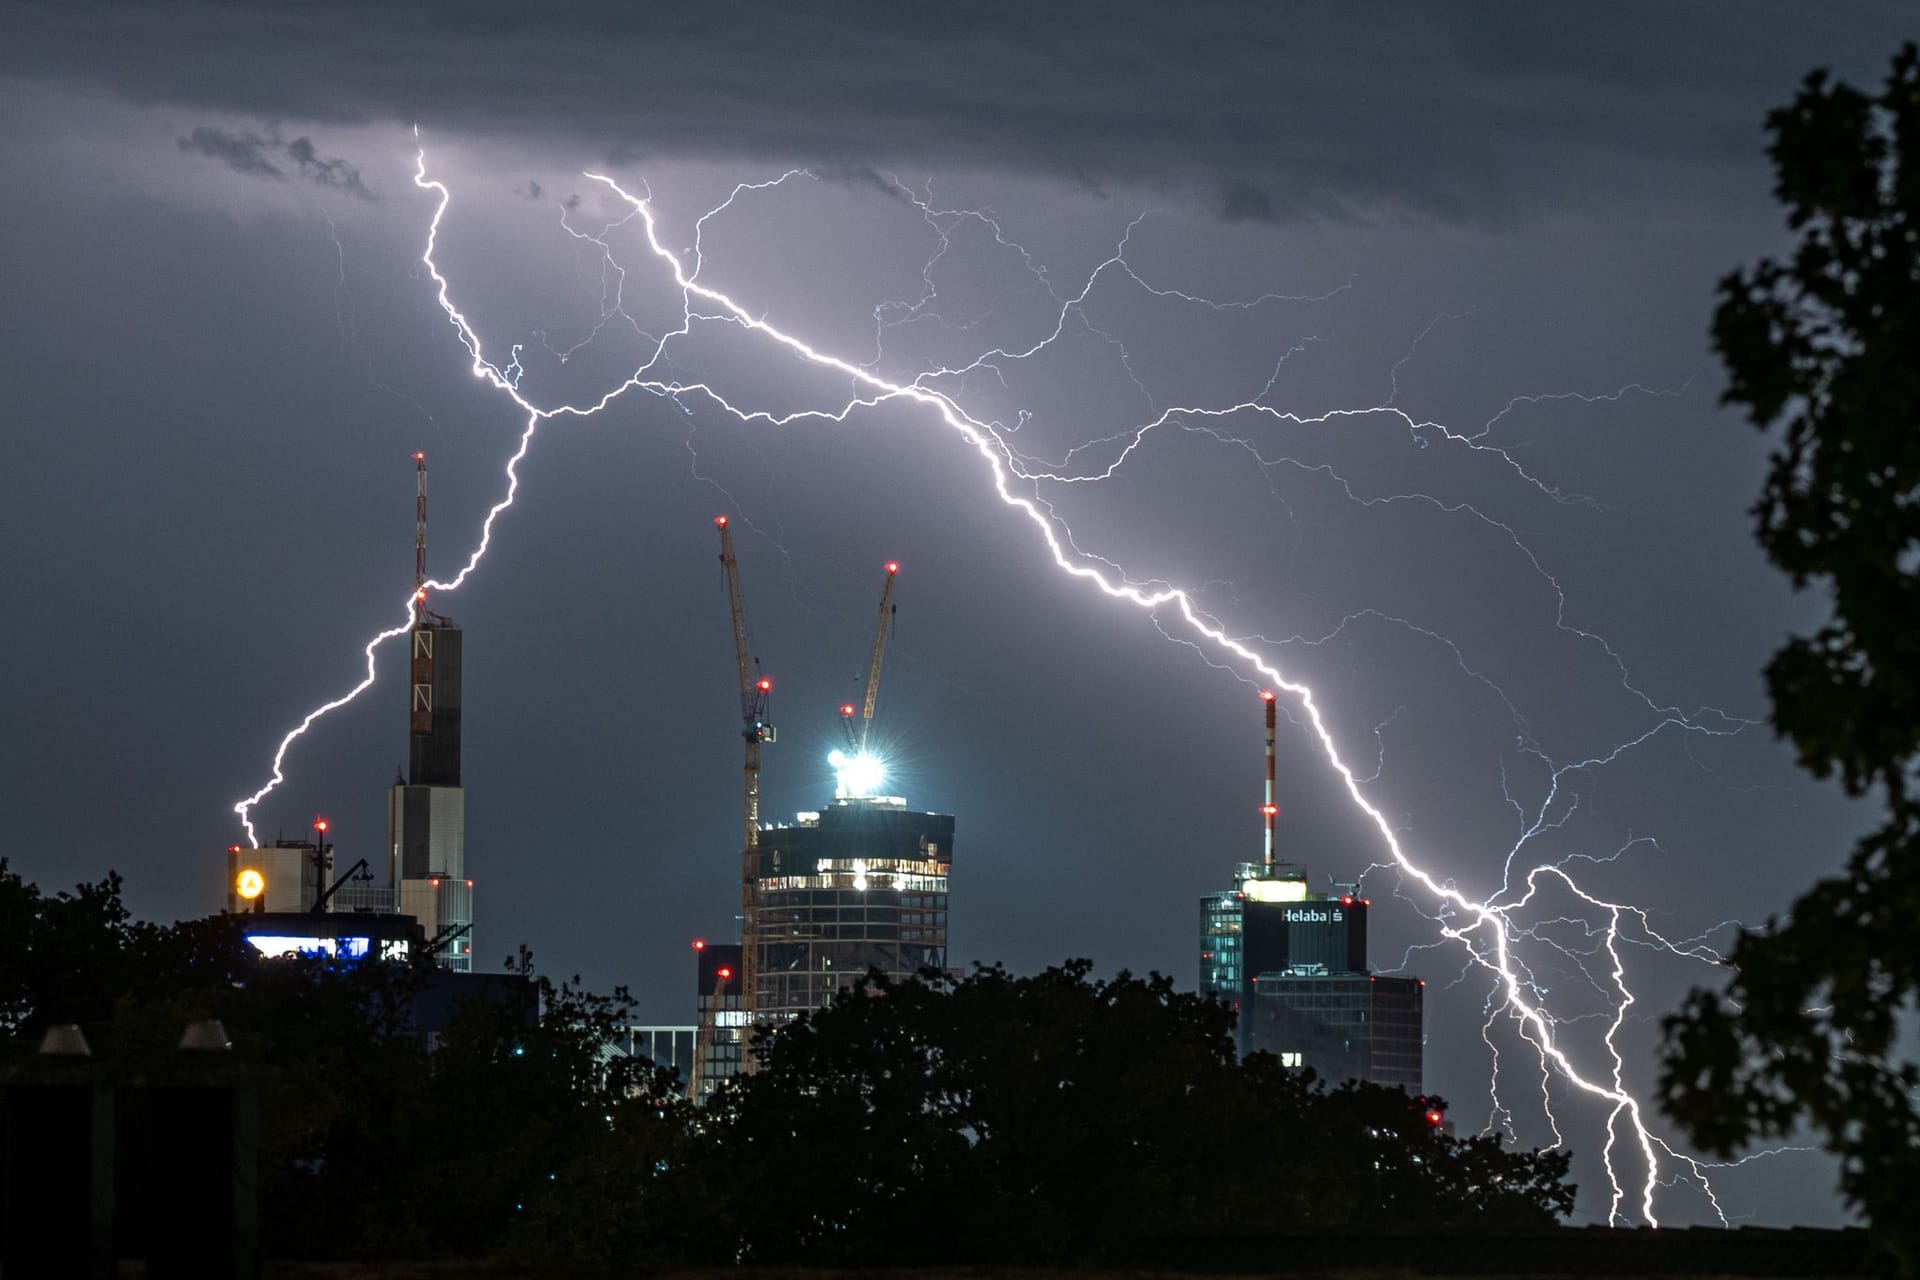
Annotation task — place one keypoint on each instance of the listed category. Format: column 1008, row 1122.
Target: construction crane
column 857, row 735
column 755, row 695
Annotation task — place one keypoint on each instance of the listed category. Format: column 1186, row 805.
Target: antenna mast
column 420, row 718
column 1270, row 811
column 419, row 528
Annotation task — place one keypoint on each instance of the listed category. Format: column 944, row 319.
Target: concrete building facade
column 427, row 808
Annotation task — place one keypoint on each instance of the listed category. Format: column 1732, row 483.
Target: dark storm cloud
column 264, row 155
column 857, row 176
column 1290, row 111
column 242, row 153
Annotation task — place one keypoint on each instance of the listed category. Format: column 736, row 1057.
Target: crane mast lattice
column 755, row 695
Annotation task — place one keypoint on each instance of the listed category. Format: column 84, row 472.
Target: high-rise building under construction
column 860, row 885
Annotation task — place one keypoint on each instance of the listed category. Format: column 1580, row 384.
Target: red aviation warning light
column 719, row 522
column 1271, row 810
column 765, row 685
column 893, row 567
column 699, row 944
column 846, row 709
column 320, row 825
column 724, row 972
column 1266, row 695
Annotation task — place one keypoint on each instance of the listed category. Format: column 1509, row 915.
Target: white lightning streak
column 1485, row 929
column 1115, row 586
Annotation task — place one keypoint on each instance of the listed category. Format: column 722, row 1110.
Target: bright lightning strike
column 1488, row 930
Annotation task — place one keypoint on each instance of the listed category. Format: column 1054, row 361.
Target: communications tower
column 427, row 806
column 1292, row 964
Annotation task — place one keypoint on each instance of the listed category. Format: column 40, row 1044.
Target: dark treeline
column 996, row 1119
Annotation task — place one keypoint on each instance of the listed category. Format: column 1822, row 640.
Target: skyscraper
column 1292, row 964
column 427, row 808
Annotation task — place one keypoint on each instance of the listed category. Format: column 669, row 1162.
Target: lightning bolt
column 1488, row 931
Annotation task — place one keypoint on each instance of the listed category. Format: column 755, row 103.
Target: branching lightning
column 1487, row 931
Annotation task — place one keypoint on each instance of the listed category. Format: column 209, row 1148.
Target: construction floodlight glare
column 250, row 884
column 856, row 776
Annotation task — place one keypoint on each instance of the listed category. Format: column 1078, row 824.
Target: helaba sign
column 1314, row 915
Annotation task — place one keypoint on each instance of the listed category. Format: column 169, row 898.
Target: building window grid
column 818, row 938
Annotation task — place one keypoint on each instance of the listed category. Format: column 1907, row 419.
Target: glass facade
column 1222, row 954
column 1345, row 1027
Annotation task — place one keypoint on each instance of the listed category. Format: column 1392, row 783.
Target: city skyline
column 1504, row 533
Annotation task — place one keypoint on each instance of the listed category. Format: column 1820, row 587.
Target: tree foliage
column 996, row 1119
column 1055, row 1119
column 1825, row 348
column 370, row 1145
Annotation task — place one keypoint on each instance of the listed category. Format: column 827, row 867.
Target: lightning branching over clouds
column 1556, row 972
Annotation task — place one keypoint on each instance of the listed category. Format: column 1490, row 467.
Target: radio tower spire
column 420, row 719
column 427, row 808
column 1270, row 811
column 419, row 535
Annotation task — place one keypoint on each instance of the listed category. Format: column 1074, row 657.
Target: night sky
column 1492, row 515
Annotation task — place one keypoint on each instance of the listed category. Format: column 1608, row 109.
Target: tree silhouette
column 1055, row 1119
column 1825, row 346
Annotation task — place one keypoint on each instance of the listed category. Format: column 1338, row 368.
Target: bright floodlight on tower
column 856, row 776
